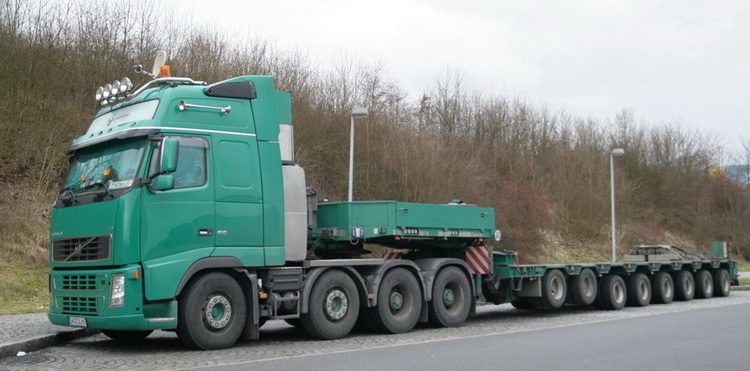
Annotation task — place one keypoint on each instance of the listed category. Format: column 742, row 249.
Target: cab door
column 177, row 225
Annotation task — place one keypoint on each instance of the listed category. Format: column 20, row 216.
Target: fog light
column 117, row 299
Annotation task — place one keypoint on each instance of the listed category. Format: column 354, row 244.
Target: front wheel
column 334, row 306
column 211, row 312
column 451, row 298
column 399, row 302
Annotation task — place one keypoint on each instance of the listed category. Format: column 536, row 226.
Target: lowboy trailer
column 184, row 210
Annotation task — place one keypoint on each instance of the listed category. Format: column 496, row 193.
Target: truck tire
column 684, row 286
column 722, row 283
column 127, row 336
column 704, row 284
column 662, row 288
column 399, row 302
column 554, row 289
column 451, row 298
column 334, row 306
column 639, row 290
column 612, row 293
column 211, row 312
column 582, row 287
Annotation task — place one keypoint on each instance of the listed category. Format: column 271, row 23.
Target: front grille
column 75, row 282
column 80, row 304
column 84, row 249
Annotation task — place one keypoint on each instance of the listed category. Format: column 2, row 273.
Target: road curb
column 40, row 342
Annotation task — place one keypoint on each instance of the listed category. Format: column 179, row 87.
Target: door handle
column 205, row 232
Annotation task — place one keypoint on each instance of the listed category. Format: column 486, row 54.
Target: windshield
column 107, row 166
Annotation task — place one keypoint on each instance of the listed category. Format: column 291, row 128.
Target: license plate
column 77, row 322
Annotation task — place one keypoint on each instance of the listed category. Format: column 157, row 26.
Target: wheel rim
column 396, row 301
column 588, row 287
column 336, row 305
column 619, row 293
column 689, row 287
column 666, row 288
column 643, row 290
column 556, row 288
column 218, row 312
column 449, row 296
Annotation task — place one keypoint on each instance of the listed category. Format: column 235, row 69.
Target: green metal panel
column 162, row 276
column 400, row 223
column 273, row 202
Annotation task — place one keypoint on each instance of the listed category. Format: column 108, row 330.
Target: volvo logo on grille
column 79, row 247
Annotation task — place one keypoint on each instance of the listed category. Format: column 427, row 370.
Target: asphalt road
column 695, row 335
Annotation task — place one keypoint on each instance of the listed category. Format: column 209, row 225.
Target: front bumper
column 87, row 293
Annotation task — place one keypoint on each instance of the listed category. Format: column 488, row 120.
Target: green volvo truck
column 184, row 210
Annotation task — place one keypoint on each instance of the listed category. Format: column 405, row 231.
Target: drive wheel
column 334, row 306
column 613, row 293
column 704, row 284
column 127, row 336
column 684, row 286
column 662, row 287
column 722, row 283
column 399, row 302
column 639, row 290
column 583, row 287
column 451, row 298
column 212, row 312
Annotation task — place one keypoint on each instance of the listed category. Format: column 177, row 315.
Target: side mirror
column 164, row 182
column 168, row 161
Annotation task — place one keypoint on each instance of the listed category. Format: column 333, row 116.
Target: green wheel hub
column 449, row 297
column 396, row 301
column 218, row 312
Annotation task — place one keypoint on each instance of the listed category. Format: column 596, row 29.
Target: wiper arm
column 101, row 183
column 72, row 194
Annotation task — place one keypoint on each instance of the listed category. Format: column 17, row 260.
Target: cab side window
column 191, row 162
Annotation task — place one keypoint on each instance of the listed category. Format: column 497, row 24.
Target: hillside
column 546, row 172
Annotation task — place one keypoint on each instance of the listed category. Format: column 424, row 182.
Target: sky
column 667, row 61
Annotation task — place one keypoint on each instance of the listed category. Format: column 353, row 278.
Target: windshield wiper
column 72, row 198
column 101, row 183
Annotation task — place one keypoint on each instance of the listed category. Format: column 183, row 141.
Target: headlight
column 99, row 94
column 117, row 299
column 115, row 88
column 498, row 235
column 107, row 90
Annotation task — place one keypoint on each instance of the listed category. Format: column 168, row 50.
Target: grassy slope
column 23, row 286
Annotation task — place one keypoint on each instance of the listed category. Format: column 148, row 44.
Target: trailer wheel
column 684, row 286
column 127, row 336
column 334, row 306
column 613, row 293
column 211, row 312
column 639, row 290
column 662, row 288
column 554, row 289
column 451, row 298
column 704, row 284
column 399, row 302
column 722, row 284
column 583, row 287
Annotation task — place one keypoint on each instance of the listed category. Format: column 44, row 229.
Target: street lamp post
column 357, row 112
column 615, row 152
